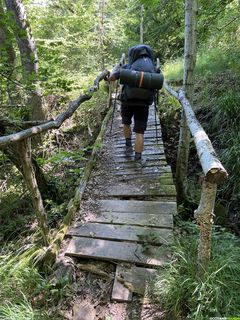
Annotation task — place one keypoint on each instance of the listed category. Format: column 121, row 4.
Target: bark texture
column 24, row 149
column 29, row 58
column 204, row 217
column 188, row 82
column 7, row 53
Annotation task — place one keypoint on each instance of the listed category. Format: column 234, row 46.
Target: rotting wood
column 117, row 251
column 131, row 279
column 120, row 292
column 160, row 220
column 151, row 157
column 128, row 233
column 132, row 164
column 146, row 190
column 92, row 268
column 135, row 170
column 137, row 206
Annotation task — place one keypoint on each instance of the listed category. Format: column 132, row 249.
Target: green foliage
column 216, row 295
column 25, row 293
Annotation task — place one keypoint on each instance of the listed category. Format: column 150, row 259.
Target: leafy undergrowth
column 25, row 293
column 184, row 295
column 28, row 292
column 216, row 103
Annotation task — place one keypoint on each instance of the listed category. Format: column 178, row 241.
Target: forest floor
column 93, row 283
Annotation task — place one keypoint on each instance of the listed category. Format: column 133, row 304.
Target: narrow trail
column 126, row 217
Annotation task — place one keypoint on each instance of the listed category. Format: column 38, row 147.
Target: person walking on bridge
column 135, row 101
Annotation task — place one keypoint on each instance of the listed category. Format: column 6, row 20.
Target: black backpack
column 140, row 59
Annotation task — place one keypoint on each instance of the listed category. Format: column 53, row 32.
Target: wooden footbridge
column 132, row 218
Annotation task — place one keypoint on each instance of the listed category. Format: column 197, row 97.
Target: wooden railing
column 214, row 174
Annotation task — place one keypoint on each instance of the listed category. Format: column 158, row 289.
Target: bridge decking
column 132, row 217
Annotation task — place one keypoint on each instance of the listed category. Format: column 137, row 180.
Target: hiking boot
column 141, row 162
column 128, row 151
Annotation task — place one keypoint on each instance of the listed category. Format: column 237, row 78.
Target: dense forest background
column 74, row 41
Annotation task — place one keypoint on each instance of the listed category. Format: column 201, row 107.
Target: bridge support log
column 204, row 217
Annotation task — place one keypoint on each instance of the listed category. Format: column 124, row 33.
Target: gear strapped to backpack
column 140, row 77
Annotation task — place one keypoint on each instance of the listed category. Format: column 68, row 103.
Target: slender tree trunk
column 101, row 8
column 141, row 24
column 24, row 149
column 204, row 216
column 29, row 56
column 7, row 54
column 188, row 81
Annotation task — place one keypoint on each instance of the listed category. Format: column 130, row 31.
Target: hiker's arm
column 114, row 75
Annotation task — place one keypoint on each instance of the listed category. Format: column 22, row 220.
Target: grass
column 184, row 295
column 216, row 102
column 210, row 61
column 25, row 292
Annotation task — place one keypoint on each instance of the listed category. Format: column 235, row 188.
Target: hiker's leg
column 127, row 131
column 139, row 141
column 140, row 125
column 127, row 114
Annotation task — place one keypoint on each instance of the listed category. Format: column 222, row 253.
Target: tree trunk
column 188, row 82
column 204, row 216
column 7, row 54
column 24, row 149
column 141, row 24
column 29, row 56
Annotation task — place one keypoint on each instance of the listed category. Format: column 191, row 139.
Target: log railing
column 214, row 173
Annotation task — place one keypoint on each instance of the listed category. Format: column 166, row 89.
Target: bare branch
column 54, row 124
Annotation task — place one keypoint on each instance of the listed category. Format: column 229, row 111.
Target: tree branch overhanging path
column 21, row 140
column 58, row 121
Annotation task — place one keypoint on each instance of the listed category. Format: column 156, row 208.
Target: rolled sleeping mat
column 140, row 79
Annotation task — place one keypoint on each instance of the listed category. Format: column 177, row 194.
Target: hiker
column 135, row 101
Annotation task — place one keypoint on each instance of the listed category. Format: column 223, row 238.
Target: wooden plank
column 150, row 177
column 134, row 164
column 120, row 292
column 146, row 189
column 137, row 206
column 135, row 170
column 128, row 280
column 137, row 234
column 135, row 218
column 152, row 157
column 148, row 145
column 117, row 251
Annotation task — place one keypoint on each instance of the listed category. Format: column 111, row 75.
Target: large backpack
column 140, row 58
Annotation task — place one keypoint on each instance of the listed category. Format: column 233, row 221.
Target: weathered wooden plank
column 120, row 292
column 147, row 141
column 149, row 145
column 138, row 190
column 137, row 170
column 128, row 280
column 137, row 206
column 134, row 164
column 153, row 177
column 117, row 251
column 129, row 233
column 119, row 158
column 135, row 218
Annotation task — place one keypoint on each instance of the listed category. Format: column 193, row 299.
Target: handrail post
column 204, row 217
column 188, row 81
